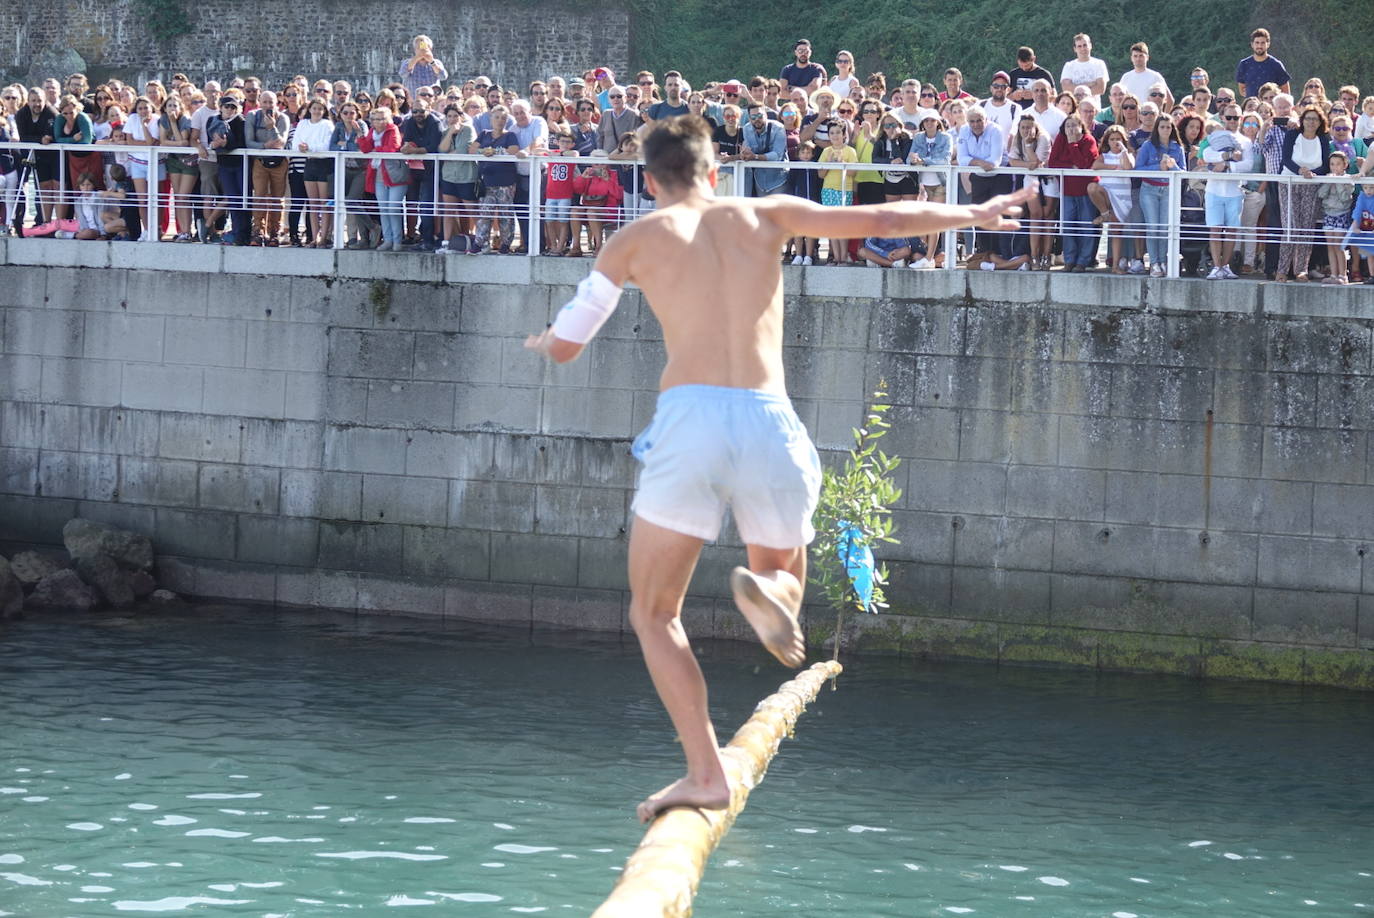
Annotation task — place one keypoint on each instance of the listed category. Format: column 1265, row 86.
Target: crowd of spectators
column 1025, row 123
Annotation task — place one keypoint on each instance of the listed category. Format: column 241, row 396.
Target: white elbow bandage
column 583, row 315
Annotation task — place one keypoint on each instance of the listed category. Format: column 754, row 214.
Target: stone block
column 145, row 259
column 587, row 412
column 959, row 487
column 1103, row 548
column 1001, row 595
column 835, row 424
column 66, row 286
column 918, row 589
column 1321, row 346
column 1072, row 647
column 1154, row 445
column 24, row 287
column 1255, row 505
column 1001, row 542
column 277, row 540
column 1295, row 562
column 34, row 520
column 1157, row 500
column 594, row 512
column 364, row 449
column 439, row 454
column 447, row 553
column 245, row 393
column 922, row 433
column 239, row 487
column 607, row 462
column 160, row 482
column 205, row 342
column 522, row 367
column 513, row 271
column 843, row 324
column 542, row 460
column 1098, row 290
column 949, row 639
column 322, row 495
column 1185, row 294
column 602, row 564
column 1008, row 437
column 399, row 499
column 1303, row 301
column 1173, row 393
column 937, row 286
column 917, row 328
column 199, row 436
column 498, row 603
column 21, row 424
column 1343, row 511
column 620, row 364
column 457, row 358
column 285, row 263
column 404, row 403
column 1053, row 493
column 1127, row 651
column 1045, row 387
column 162, row 387
column 317, row 589
column 158, row 292
column 372, row 547
column 1294, row 454
column 580, row 609
column 534, row 558
column 281, row 345
column 1127, row 338
column 120, row 336
column 305, row 395
column 294, row 444
column 44, row 332
column 141, row 521
column 420, row 307
column 408, row 596
column 57, row 253
column 80, row 382
column 21, row 378
column 1206, row 557
column 498, row 407
column 60, row 426
column 833, row 281
column 18, row 471
column 947, row 382
column 85, row 476
column 1345, row 401
column 371, row 354
column 334, row 301
column 554, row 271
column 505, row 311
column 241, row 582
column 1350, row 669
column 1007, row 286
column 119, row 430
column 1252, row 660
column 803, row 318
column 924, row 537
column 345, row 400
column 1306, row 617
column 199, row 534
column 367, row 265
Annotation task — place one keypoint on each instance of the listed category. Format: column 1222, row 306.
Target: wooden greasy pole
column 663, row 873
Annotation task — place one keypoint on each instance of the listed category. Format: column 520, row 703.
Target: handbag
column 397, row 171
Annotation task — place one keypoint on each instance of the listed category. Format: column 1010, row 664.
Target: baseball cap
column 732, row 87
column 1001, row 75
column 602, row 73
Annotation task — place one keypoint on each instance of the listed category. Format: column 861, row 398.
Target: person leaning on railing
column 362, row 231
column 1160, row 152
column 1306, row 152
column 457, row 181
column 9, row 180
column 226, row 133
column 73, row 128
column 267, row 128
column 1074, row 148
column 498, row 180
column 34, row 123
column 389, row 189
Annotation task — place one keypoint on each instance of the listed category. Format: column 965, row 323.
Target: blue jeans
column 1154, row 202
column 389, row 201
column 231, row 186
column 1080, row 236
column 421, row 193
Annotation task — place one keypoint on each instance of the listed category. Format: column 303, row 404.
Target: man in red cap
column 605, row 79
column 998, row 108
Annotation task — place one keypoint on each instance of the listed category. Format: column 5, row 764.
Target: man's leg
column 661, row 565
column 769, row 594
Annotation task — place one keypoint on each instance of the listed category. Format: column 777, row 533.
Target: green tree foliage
column 860, row 494
column 710, row 39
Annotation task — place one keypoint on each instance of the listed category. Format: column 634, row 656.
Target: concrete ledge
column 905, row 284
column 500, row 269
column 64, row 253
column 1099, row 290
column 165, row 256
column 1191, row 295
column 391, row 266
column 291, row 262
column 1302, row 300
column 834, row 281
column 1008, row 286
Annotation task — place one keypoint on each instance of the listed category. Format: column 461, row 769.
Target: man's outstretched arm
column 801, row 217
column 597, row 296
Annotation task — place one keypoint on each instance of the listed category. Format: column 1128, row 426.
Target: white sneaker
column 871, row 264
column 1157, row 271
column 1216, row 274
column 899, row 263
column 1137, row 267
column 1123, row 264
column 797, row 260
column 986, row 266
column 1024, row 267
column 920, row 265
column 1228, row 273
column 807, row 261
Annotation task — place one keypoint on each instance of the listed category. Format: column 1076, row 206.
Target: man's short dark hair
column 677, row 151
column 1025, row 53
column 670, row 74
column 801, row 41
column 1260, row 33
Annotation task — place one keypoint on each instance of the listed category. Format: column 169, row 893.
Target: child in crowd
column 1335, row 202
column 90, row 223
column 837, row 185
column 806, row 183
column 113, row 198
column 1364, row 125
column 890, row 253
column 1361, row 232
column 1115, row 157
column 558, row 192
column 631, row 178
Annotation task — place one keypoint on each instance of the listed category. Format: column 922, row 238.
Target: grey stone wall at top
column 1122, row 472
column 360, row 40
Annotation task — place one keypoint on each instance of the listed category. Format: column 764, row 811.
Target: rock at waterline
column 163, row 597
column 84, row 538
column 63, row 590
column 31, row 567
column 101, row 571
column 11, row 592
column 142, row 583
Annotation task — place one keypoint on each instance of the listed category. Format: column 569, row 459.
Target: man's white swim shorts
column 709, row 446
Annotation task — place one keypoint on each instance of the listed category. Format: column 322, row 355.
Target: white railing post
column 534, row 238
column 951, row 235
column 1175, row 216
column 340, row 196
column 61, row 185
column 151, row 228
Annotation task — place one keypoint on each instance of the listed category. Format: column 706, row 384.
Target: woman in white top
column 1306, row 150
column 845, row 85
column 1030, row 149
column 313, row 136
column 140, row 129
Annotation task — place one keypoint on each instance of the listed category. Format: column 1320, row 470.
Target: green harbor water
column 230, row 761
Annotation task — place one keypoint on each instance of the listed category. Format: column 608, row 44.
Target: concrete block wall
column 1100, row 471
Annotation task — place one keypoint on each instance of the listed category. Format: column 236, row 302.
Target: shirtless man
column 724, row 429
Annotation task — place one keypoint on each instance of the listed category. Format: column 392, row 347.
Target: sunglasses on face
column 999, row 85
column 618, row 95
column 1156, row 95
column 646, row 83
column 927, row 95
column 1128, row 108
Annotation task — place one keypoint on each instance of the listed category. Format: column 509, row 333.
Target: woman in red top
column 1073, row 148
column 599, row 188
column 384, row 137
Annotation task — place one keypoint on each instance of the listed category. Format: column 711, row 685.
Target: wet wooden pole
column 662, row 875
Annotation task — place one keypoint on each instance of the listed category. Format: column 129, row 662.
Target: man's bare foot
column 713, row 795
column 772, row 619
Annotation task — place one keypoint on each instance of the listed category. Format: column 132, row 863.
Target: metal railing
column 1177, row 230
